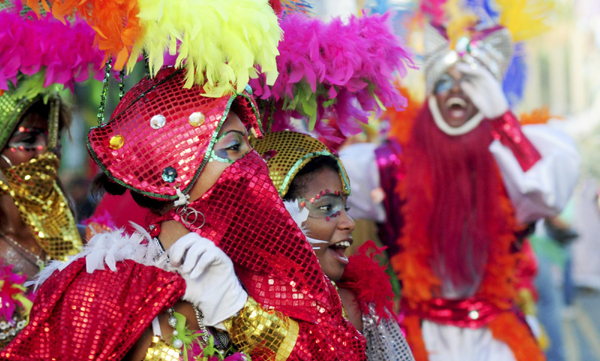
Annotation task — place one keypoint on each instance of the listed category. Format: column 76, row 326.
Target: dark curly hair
column 307, row 174
column 103, row 184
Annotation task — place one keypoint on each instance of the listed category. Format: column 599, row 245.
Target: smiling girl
column 315, row 187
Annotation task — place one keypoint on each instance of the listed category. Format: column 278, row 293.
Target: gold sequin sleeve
column 255, row 329
column 159, row 350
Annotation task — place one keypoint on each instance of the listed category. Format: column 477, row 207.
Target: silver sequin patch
column 385, row 341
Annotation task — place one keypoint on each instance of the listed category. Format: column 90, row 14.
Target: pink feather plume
column 65, row 52
column 335, row 70
column 434, row 9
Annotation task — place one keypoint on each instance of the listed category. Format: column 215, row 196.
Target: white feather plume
column 109, row 248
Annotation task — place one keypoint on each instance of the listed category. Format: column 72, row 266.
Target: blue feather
column 484, row 9
column 401, row 11
column 380, row 6
column 516, row 76
column 294, row 6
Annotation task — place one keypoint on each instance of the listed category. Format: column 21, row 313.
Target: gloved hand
column 212, row 285
column 484, row 90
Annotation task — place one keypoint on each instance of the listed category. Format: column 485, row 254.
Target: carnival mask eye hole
column 324, row 205
column 231, row 145
column 236, row 142
column 29, row 139
column 445, row 83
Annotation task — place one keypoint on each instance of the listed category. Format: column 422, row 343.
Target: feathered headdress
column 332, row 75
column 483, row 30
column 217, row 45
column 218, row 42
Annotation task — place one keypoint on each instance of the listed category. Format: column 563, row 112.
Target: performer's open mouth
column 338, row 250
column 456, row 107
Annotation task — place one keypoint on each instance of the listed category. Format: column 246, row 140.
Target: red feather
column 369, row 282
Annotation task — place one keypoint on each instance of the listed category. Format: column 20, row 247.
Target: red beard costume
column 453, row 183
column 458, row 249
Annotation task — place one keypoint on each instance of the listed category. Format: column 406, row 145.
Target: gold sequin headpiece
column 12, row 109
column 286, row 153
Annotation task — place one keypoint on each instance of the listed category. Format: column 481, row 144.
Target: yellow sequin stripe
column 344, row 313
column 159, row 350
column 289, row 342
column 255, row 328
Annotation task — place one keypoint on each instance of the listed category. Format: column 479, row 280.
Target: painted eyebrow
column 231, row 131
column 237, row 131
column 332, row 195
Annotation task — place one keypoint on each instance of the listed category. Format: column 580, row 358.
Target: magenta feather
column 10, row 287
column 65, row 52
column 434, row 9
column 335, row 70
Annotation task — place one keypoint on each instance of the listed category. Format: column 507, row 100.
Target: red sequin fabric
column 94, row 316
column 247, row 219
column 159, row 134
column 507, row 129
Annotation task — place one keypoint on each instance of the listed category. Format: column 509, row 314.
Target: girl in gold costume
column 36, row 221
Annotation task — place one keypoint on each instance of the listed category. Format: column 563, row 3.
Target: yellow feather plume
column 460, row 22
column 218, row 42
column 525, row 19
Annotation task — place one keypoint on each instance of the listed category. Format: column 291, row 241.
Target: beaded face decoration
column 161, row 135
column 28, row 139
column 12, row 110
column 246, row 218
column 286, row 153
column 326, row 204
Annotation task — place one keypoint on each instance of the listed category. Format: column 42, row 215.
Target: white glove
column 484, row 90
column 211, row 283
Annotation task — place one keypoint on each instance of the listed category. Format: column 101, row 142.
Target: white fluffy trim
column 109, row 248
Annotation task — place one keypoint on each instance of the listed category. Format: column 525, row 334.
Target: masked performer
column 36, row 222
column 459, row 192
column 314, row 185
column 186, row 157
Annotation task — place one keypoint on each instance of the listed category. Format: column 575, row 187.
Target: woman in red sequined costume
column 314, row 186
column 226, row 200
column 460, row 188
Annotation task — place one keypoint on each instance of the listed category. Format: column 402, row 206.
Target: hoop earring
column 6, row 159
column 189, row 216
